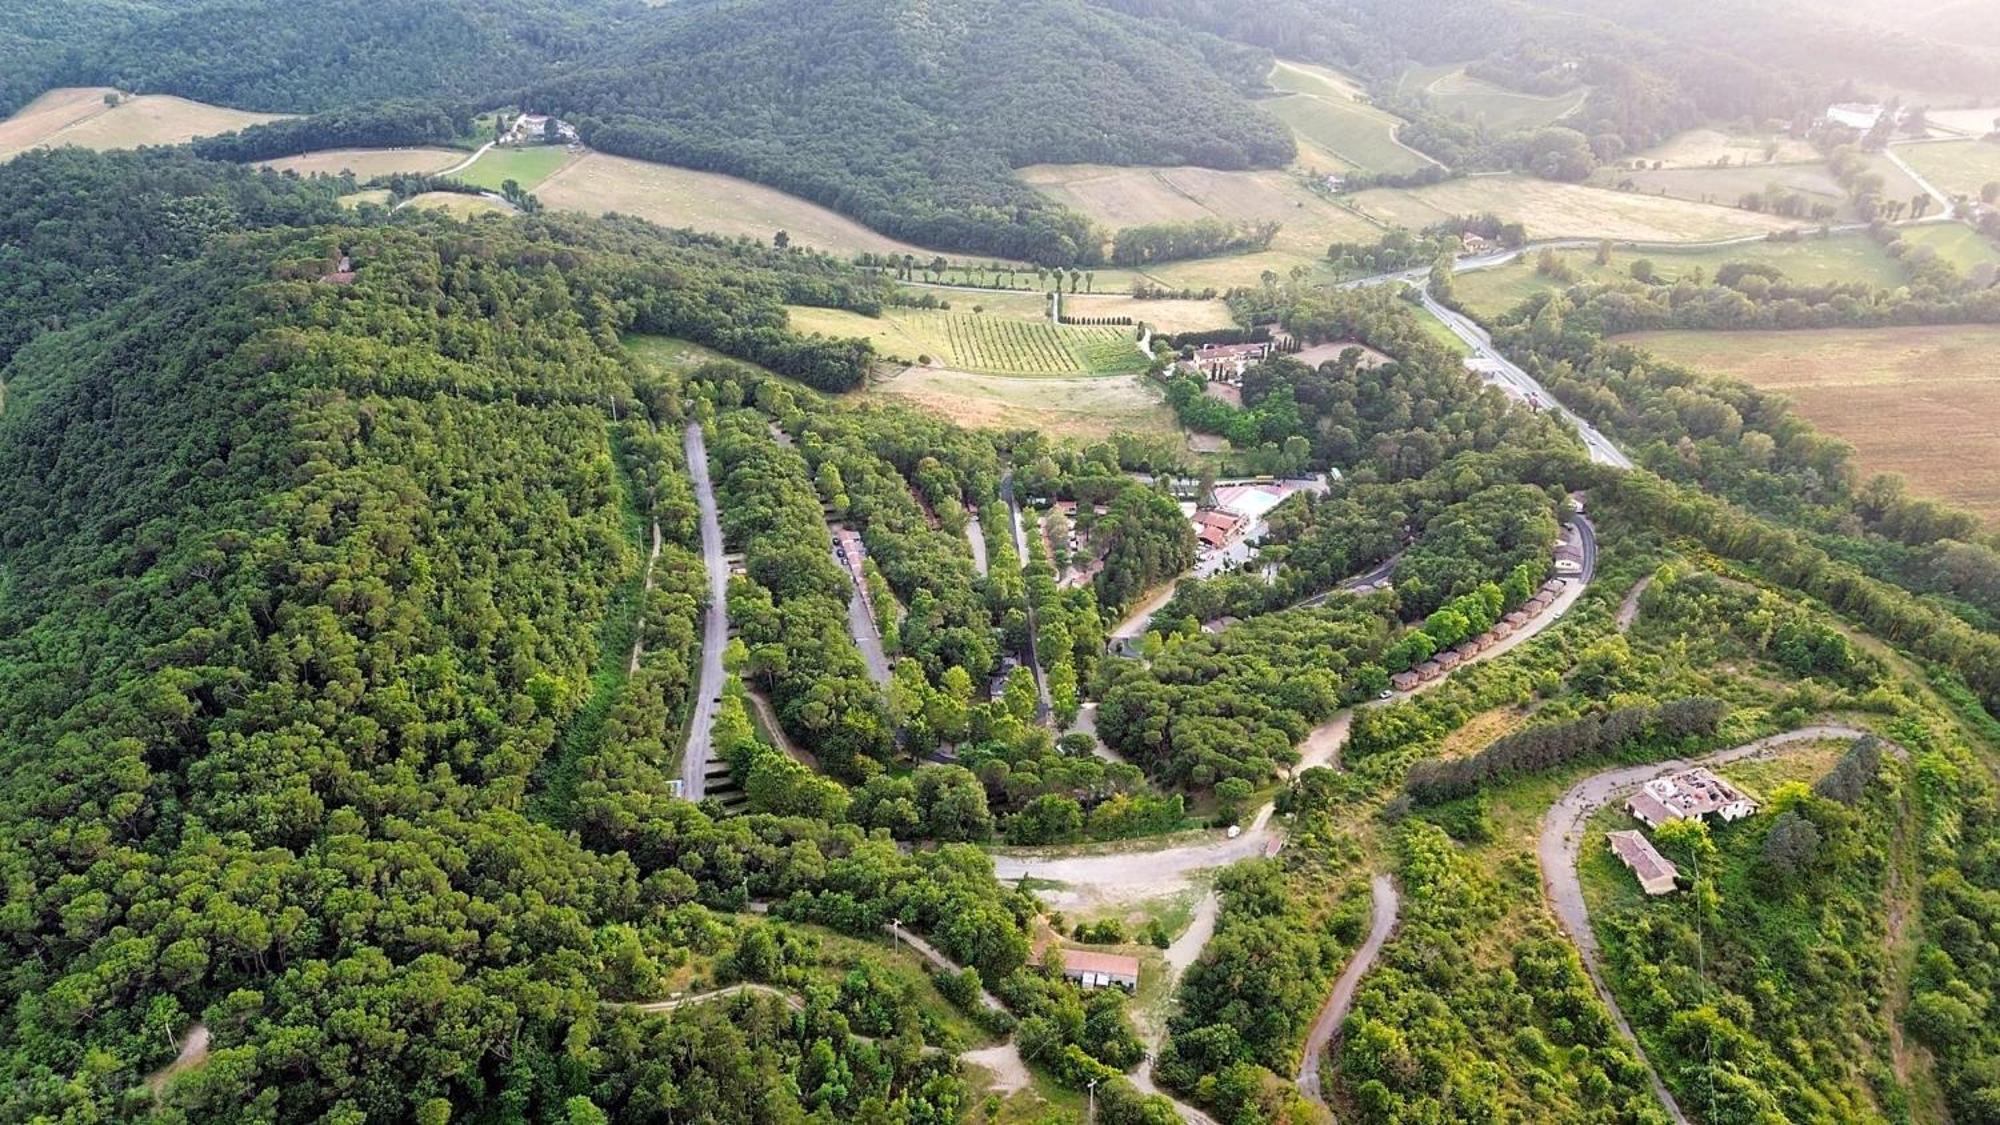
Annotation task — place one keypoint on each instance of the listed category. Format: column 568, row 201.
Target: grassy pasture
column 1459, row 95
column 1955, row 243
column 706, row 201
column 1916, row 401
column 1703, row 148
column 377, row 196
column 78, row 116
column 986, row 343
column 1553, row 210
column 1724, row 186
column 1956, row 167
column 527, row 165
column 367, row 163
column 1846, row 257
column 1087, row 407
column 1333, row 123
column 1975, row 122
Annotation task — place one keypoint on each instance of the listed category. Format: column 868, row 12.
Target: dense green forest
column 911, row 117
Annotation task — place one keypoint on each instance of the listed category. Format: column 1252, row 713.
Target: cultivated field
column 1724, row 186
column 459, row 205
column 78, row 116
column 527, row 165
column 1553, row 210
column 987, row 343
column 1059, row 406
column 1335, row 128
column 1470, row 99
column 1127, row 197
column 1956, row 243
column 1813, row 261
column 1915, row 401
column 704, row 201
column 1167, row 316
column 1703, row 148
column 1956, row 167
column 367, row 163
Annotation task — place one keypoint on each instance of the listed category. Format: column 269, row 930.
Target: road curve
column 1384, row 907
column 715, row 630
column 1562, row 841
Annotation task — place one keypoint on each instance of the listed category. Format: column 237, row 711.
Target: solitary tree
column 782, row 239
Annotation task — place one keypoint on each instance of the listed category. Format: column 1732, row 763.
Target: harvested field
column 1915, row 401
column 1167, row 316
column 1461, row 96
column 1975, row 122
column 1703, row 148
column 367, row 163
column 1956, row 167
column 1553, row 210
column 78, row 116
column 1814, row 261
column 50, row 114
column 705, row 201
column 987, row 343
column 1058, row 406
column 1127, row 197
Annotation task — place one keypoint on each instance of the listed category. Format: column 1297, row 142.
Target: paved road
column 975, row 537
column 1562, row 841
column 1383, row 911
column 1044, row 706
column 861, row 623
column 1506, row 374
column 1378, row 573
column 715, row 631
column 1943, row 201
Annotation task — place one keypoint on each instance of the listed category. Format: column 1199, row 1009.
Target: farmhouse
column 1228, row 362
column 1855, row 115
column 1691, row 795
column 1101, row 970
column 1655, row 872
column 532, row 128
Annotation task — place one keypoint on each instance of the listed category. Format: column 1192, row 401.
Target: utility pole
column 1092, row 1119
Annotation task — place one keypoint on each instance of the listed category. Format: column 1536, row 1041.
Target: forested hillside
column 296, row 58
column 909, row 116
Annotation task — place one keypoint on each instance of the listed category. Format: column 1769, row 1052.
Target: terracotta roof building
column 1101, row 970
column 1655, row 872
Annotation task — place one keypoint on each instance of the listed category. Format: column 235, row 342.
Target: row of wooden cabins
column 1466, row 651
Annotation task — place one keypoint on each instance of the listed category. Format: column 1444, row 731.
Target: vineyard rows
column 1022, row 347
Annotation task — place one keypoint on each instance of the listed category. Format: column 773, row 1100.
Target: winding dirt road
column 1384, row 909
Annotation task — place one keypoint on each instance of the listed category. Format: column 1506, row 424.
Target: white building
column 1694, row 794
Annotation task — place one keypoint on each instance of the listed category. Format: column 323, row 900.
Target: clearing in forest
column 1556, row 210
column 368, row 163
column 1086, row 407
column 459, row 205
column 1118, row 197
column 990, row 343
column 79, row 116
column 707, row 201
column 1810, row 261
column 1334, row 125
column 1462, row 97
column 1916, row 401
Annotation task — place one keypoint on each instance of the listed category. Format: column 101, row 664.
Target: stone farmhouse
column 1695, row 794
